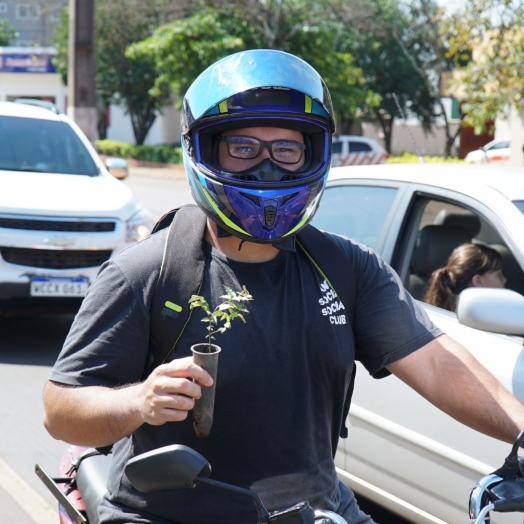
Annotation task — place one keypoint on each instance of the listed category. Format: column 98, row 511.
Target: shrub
column 163, row 154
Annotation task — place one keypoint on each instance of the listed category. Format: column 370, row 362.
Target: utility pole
column 81, row 105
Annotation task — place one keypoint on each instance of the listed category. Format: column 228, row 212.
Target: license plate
column 59, row 286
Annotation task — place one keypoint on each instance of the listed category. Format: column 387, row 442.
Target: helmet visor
column 250, row 70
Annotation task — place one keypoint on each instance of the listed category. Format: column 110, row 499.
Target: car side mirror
column 117, row 167
column 494, row 310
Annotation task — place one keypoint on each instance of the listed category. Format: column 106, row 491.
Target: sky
column 451, row 5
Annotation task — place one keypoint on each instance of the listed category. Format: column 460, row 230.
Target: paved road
column 29, row 345
column 159, row 190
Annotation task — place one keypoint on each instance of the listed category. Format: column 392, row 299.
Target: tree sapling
column 232, row 307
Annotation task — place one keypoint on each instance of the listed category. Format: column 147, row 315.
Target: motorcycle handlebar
column 333, row 518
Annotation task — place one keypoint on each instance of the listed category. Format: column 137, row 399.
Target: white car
column 401, row 451
column 353, row 150
column 497, row 151
column 61, row 213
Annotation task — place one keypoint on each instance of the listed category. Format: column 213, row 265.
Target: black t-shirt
column 281, row 380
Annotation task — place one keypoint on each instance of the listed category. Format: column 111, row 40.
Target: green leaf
column 224, row 312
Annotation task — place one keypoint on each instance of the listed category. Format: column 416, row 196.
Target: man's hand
column 168, row 393
column 446, row 374
column 99, row 416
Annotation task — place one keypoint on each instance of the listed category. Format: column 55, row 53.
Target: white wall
column 432, row 143
column 165, row 130
column 33, row 85
column 512, row 125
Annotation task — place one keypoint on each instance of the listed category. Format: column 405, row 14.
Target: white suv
column 61, row 213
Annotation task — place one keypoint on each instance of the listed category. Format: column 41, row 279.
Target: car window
column 500, row 145
column 30, row 144
column 357, row 212
column 358, row 147
column 441, row 228
column 337, row 147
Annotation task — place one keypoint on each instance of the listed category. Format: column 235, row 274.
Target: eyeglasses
column 248, row 147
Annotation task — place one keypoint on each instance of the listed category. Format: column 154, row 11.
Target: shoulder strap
column 333, row 264
column 169, row 311
column 181, row 276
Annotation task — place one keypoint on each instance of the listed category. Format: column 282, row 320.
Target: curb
column 177, row 174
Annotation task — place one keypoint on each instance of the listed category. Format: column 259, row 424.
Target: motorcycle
column 82, row 485
column 502, row 490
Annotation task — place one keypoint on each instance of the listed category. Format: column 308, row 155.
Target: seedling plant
column 233, row 306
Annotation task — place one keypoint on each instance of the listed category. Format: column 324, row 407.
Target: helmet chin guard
column 266, row 203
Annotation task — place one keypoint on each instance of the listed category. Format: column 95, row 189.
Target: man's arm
column 99, row 416
column 449, row 377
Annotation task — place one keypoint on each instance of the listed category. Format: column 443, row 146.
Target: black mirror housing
column 167, row 468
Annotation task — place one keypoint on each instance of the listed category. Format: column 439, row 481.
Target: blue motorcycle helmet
column 257, row 88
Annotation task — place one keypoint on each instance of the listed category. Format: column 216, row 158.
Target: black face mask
column 268, row 171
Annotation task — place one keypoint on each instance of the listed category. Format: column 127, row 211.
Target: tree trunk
column 387, row 128
column 346, row 126
column 102, row 109
column 450, row 140
column 142, row 121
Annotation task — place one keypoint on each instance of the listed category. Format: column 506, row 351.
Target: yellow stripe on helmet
column 222, row 107
column 224, row 218
column 308, row 104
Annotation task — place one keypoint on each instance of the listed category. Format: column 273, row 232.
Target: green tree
column 120, row 79
column 60, row 41
column 7, row 32
column 421, row 42
column 389, row 72
column 182, row 49
column 185, row 47
column 491, row 32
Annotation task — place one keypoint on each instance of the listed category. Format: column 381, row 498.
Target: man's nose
column 264, row 152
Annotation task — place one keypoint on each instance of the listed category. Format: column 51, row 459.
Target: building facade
column 28, row 72
column 33, row 20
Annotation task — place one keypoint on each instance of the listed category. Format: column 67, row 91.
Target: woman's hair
column 464, row 263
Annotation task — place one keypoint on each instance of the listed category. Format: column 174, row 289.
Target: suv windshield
column 30, row 144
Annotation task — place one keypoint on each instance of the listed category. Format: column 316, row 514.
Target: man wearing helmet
column 256, row 129
column 256, row 192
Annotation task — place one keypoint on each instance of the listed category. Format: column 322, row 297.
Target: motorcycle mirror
column 170, row 467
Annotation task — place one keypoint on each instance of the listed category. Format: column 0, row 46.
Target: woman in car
column 469, row 265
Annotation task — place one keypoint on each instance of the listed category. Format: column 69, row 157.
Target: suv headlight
column 139, row 226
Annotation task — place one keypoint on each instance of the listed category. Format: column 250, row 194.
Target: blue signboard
column 26, row 63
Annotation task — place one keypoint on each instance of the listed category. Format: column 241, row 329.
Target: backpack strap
column 328, row 258
column 184, row 257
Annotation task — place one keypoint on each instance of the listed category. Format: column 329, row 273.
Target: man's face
column 235, row 165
